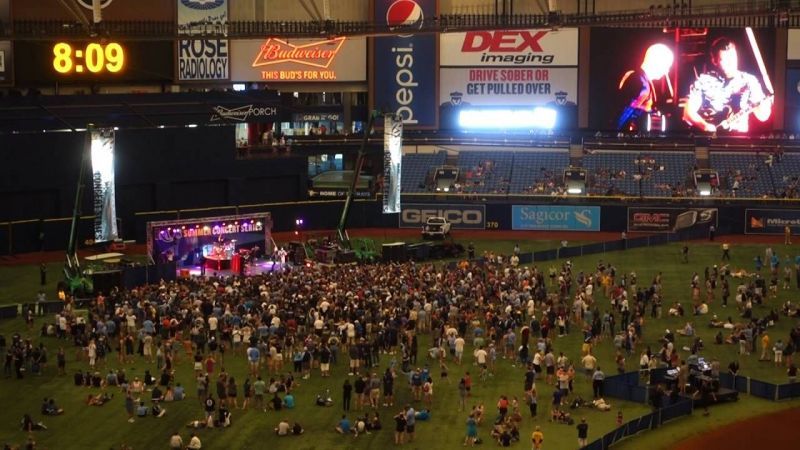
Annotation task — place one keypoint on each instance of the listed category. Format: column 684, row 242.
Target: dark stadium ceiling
column 741, row 14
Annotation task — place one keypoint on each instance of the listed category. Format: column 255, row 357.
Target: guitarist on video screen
column 724, row 97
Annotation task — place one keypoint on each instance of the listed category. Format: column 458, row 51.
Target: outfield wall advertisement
column 563, row 218
column 468, row 217
column 670, row 220
column 771, row 221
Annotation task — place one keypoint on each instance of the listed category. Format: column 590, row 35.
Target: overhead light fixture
column 536, row 118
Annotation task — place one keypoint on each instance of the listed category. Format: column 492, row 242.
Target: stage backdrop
column 186, row 238
column 618, row 55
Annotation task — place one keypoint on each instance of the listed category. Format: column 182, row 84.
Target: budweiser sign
column 317, row 54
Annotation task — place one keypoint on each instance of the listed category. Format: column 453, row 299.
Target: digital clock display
column 94, row 61
column 90, row 58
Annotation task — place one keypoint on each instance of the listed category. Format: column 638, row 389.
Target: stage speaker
column 396, row 251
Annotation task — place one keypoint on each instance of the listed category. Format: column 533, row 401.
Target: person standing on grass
column 597, row 382
column 537, row 438
column 129, row 405
column 399, row 427
column 583, row 433
column 472, row 431
column 411, row 418
column 347, row 394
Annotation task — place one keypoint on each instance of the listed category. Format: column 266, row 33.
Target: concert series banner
column 404, row 66
column 509, row 68
column 670, row 220
column 392, row 155
column 202, row 59
column 299, row 60
column 105, row 210
column 703, row 80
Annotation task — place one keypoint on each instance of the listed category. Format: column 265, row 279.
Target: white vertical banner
column 105, row 210
column 392, row 155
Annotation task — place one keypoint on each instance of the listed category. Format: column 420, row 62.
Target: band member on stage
column 638, row 85
column 718, row 96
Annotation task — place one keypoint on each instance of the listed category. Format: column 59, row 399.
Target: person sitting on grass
column 29, row 425
column 374, row 424
column 344, row 426
column 158, row 411
column 49, row 408
column 142, row 410
column 283, row 428
column 223, row 417
column 99, row 399
column 687, row 330
column 297, row 429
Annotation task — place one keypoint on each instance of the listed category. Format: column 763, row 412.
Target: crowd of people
column 371, row 319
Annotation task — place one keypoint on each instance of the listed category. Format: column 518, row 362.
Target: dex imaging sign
column 566, row 218
column 404, row 66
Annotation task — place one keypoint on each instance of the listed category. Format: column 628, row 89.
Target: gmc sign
column 469, row 217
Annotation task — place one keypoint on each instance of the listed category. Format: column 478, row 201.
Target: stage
column 722, row 395
column 258, row 267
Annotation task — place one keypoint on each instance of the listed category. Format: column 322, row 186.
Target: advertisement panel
column 251, row 112
column 563, row 218
column 279, row 60
column 510, row 48
column 105, row 210
column 461, row 217
column 202, row 59
column 509, row 86
column 6, row 64
column 713, row 80
column 670, row 220
column 771, row 221
column 404, row 66
column 202, row 17
column 503, row 68
column 392, row 156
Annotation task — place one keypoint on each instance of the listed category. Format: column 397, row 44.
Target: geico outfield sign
column 460, row 216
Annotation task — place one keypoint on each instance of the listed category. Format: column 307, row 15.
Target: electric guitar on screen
column 726, row 118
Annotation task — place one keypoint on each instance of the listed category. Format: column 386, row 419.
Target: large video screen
column 697, row 80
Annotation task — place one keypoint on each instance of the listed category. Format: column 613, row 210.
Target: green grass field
column 91, row 427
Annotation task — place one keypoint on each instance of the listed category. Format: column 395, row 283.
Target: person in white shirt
column 194, row 443
column 283, row 428
column 176, row 441
column 460, row 348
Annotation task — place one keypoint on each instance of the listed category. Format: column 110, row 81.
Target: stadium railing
column 646, row 422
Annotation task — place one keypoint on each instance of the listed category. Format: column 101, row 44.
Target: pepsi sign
column 405, row 66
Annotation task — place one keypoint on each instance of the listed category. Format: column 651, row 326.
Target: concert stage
column 722, row 395
column 256, row 268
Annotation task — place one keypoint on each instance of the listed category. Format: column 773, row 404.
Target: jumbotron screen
column 701, row 80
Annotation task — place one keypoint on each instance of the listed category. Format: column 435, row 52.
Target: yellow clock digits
column 62, row 60
column 115, row 57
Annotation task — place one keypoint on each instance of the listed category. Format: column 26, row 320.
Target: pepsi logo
column 404, row 14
